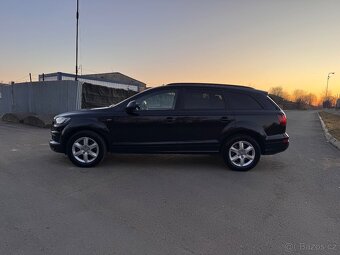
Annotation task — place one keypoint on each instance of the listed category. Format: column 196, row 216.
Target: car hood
column 87, row 112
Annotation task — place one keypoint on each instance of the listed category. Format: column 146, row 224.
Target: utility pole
column 329, row 76
column 30, row 78
column 77, row 17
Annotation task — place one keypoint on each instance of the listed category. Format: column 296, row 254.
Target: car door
column 150, row 127
column 203, row 117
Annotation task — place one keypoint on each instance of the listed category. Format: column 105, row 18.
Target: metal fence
column 51, row 97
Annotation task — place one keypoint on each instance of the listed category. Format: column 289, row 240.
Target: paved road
column 172, row 204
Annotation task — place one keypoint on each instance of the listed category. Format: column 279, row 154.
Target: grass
column 332, row 122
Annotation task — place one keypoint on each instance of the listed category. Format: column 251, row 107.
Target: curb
column 329, row 137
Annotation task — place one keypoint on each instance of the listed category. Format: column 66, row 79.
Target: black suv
column 239, row 122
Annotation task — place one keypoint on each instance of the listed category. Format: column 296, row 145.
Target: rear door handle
column 169, row 119
column 224, row 119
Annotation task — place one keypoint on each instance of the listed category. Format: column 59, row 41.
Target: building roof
column 114, row 77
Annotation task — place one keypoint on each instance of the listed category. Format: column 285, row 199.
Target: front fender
column 91, row 124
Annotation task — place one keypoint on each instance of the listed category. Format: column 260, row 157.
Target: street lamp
column 77, row 31
column 329, row 76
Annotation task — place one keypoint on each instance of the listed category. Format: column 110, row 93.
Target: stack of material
column 99, row 96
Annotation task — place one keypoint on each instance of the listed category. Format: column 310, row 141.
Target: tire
column 241, row 153
column 86, row 149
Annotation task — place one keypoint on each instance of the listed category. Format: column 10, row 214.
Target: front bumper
column 276, row 144
column 57, row 147
column 56, row 141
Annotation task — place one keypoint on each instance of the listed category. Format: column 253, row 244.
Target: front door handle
column 169, row 119
column 224, row 119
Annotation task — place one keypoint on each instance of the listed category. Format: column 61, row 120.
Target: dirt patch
column 41, row 120
column 14, row 117
column 332, row 122
column 34, row 120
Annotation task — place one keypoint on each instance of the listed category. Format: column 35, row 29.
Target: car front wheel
column 241, row 153
column 86, row 149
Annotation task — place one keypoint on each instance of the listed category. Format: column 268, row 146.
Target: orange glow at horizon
column 262, row 44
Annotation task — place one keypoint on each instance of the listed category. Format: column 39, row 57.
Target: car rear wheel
column 241, row 153
column 86, row 149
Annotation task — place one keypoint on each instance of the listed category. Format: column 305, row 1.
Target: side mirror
column 131, row 107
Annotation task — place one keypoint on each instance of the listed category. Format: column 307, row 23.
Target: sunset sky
column 288, row 43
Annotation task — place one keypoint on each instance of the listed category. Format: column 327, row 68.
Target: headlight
column 61, row 120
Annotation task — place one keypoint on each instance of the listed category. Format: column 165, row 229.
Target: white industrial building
column 110, row 80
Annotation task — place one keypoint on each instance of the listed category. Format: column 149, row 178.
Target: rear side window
column 239, row 101
column 202, row 99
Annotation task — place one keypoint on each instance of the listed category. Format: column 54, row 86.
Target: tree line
column 300, row 96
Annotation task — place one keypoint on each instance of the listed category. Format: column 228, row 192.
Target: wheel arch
column 67, row 134
column 243, row 131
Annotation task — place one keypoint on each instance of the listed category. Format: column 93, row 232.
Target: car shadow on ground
column 166, row 160
column 176, row 161
column 169, row 162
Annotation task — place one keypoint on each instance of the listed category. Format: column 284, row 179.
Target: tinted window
column 238, row 101
column 203, row 100
column 165, row 100
column 270, row 103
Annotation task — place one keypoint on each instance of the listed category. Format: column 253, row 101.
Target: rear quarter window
column 240, row 101
column 270, row 104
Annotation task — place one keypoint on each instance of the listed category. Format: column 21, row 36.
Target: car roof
column 215, row 85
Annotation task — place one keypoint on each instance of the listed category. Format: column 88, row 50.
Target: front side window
column 203, row 100
column 165, row 100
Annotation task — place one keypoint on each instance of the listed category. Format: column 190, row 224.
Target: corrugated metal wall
column 51, row 97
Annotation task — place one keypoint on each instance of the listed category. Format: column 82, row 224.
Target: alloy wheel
column 85, row 150
column 242, row 153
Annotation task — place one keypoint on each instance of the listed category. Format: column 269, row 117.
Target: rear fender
column 245, row 128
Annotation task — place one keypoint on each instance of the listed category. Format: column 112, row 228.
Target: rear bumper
column 57, row 147
column 275, row 145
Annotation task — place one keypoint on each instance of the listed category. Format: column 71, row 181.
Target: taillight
column 282, row 119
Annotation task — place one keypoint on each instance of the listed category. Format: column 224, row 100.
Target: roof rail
column 207, row 84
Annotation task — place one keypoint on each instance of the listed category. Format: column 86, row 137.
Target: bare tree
column 310, row 99
column 280, row 92
column 276, row 91
column 329, row 96
column 298, row 95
